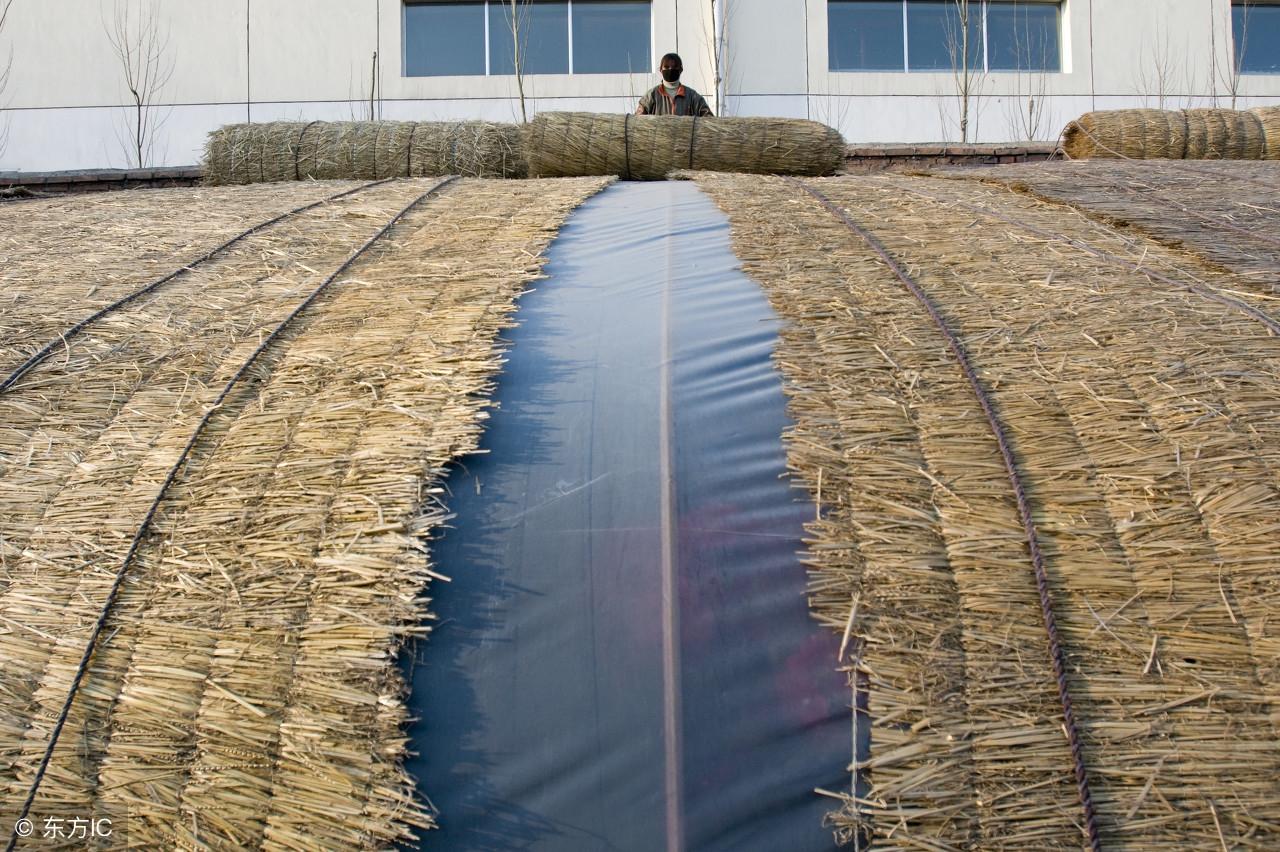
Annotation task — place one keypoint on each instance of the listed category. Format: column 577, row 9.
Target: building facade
column 87, row 78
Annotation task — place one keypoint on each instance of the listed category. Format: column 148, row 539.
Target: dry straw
column 1270, row 118
column 1142, row 416
column 1224, row 211
column 1144, row 134
column 565, row 144
column 66, row 257
column 361, row 150
column 248, row 694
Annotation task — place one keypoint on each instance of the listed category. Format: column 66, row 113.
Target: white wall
column 1113, row 51
column 66, row 105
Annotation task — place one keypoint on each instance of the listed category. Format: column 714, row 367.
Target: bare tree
column 1158, row 74
column 832, row 109
column 362, row 106
column 1230, row 76
column 968, row 75
column 518, row 22
column 142, row 46
column 719, row 41
column 1025, row 111
column 6, row 66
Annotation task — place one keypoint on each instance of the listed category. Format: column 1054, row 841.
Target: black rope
column 408, row 153
column 693, row 134
column 626, row 146
column 262, row 151
column 177, row 467
column 1056, row 655
column 62, row 338
column 297, row 150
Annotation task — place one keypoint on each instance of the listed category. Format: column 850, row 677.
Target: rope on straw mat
column 645, row 147
column 361, row 150
column 1188, row 134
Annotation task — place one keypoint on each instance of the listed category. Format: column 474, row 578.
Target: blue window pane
column 543, row 33
column 443, row 38
column 611, row 37
column 935, row 38
column 864, row 35
column 1023, row 37
column 1257, row 37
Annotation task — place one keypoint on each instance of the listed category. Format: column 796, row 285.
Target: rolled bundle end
column 217, row 165
column 361, row 150
column 1269, row 118
column 1077, row 139
column 645, row 147
column 1126, row 134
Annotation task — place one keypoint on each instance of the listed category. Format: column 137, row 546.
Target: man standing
column 670, row 97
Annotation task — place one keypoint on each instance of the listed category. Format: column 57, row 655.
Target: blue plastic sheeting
column 624, row 659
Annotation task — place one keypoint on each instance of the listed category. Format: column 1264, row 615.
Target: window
column 866, row 36
column 1255, row 27
column 444, row 38
column 926, row 35
column 936, row 39
column 556, row 37
column 1023, row 37
column 543, row 30
column 610, row 37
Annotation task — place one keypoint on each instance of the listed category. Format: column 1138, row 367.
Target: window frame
column 986, row 41
column 484, row 6
column 1237, row 61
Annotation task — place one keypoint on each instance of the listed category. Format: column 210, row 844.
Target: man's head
column 671, row 67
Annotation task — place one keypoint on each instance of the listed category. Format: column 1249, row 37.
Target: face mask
column 671, row 74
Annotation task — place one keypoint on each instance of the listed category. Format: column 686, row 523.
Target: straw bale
column 1151, row 475
column 1131, row 133
column 645, row 147
column 360, row 150
column 1223, row 134
column 1270, row 118
column 1196, row 134
column 473, row 148
column 335, row 150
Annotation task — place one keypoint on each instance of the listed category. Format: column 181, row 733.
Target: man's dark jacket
column 686, row 102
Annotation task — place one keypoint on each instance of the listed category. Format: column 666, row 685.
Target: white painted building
column 879, row 70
